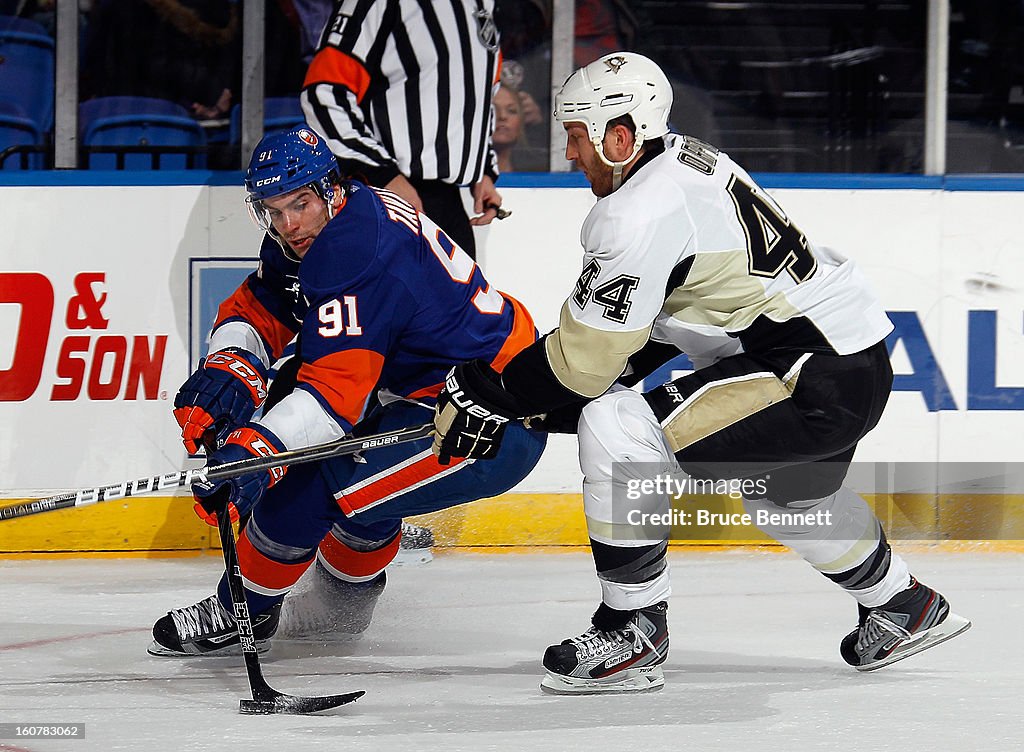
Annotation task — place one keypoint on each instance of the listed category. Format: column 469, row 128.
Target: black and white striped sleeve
column 337, row 82
column 406, row 86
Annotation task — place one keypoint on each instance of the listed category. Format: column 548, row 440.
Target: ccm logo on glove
column 258, row 445
column 227, row 361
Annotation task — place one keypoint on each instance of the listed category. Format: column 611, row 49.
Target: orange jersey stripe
column 427, row 391
column 357, row 563
column 273, row 576
column 245, row 305
column 523, row 334
column 344, row 379
column 331, row 66
column 404, row 478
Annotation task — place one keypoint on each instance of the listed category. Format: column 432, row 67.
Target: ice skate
column 914, row 620
column 331, row 608
column 414, row 546
column 207, row 628
column 627, row 659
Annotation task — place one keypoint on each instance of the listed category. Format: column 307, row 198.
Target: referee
column 402, row 90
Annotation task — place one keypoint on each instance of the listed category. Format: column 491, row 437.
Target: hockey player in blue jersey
column 384, row 305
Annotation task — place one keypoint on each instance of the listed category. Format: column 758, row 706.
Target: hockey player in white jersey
column 685, row 253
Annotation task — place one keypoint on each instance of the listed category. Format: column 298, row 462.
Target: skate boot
column 414, row 546
column 332, row 609
column 624, row 658
column 207, row 628
column 914, row 620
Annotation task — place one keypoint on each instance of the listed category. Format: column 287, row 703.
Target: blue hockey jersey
column 384, row 300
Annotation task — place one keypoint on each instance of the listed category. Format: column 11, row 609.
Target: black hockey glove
column 472, row 413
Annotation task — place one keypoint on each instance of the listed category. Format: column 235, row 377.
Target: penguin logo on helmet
column 615, row 63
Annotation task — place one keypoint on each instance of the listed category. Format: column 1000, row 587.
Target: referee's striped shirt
column 406, row 86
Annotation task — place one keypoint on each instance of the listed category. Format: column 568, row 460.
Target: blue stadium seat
column 26, row 69
column 16, row 129
column 141, row 123
column 100, row 107
column 279, row 114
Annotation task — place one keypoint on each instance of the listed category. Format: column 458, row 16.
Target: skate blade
column 320, row 638
column 647, row 679
column 947, row 629
column 155, row 648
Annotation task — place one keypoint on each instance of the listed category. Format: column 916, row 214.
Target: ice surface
column 452, row 662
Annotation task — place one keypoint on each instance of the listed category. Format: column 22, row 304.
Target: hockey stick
column 265, row 699
column 88, row 496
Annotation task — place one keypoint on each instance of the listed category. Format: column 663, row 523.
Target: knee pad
column 353, row 559
column 621, row 445
column 619, row 426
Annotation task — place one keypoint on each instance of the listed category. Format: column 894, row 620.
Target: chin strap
column 617, row 175
column 618, row 166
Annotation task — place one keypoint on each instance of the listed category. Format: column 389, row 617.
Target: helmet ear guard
column 622, row 83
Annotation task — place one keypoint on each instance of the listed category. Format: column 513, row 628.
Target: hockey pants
column 347, row 511
column 790, row 421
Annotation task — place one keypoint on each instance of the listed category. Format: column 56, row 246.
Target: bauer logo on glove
column 461, row 400
column 472, row 413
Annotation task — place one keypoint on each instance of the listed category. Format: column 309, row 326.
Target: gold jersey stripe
column 720, row 404
column 588, row 360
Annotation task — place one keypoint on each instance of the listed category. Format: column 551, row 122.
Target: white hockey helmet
column 622, row 83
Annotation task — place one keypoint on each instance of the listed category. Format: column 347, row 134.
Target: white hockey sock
column 841, row 538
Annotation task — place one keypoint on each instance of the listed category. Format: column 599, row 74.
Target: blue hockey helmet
column 285, row 162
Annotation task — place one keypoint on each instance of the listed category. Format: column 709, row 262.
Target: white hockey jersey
column 690, row 251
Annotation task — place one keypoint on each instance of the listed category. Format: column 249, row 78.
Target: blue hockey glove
column 243, row 492
column 223, row 393
column 472, row 413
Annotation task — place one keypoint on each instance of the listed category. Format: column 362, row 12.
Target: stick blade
column 282, row 703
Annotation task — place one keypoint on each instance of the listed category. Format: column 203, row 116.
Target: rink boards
column 105, row 292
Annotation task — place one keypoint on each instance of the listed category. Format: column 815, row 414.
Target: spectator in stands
column 526, row 51
column 44, row 12
column 313, row 16
column 510, row 144
column 186, row 51
column 602, row 27
column 508, row 125
column 284, row 45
